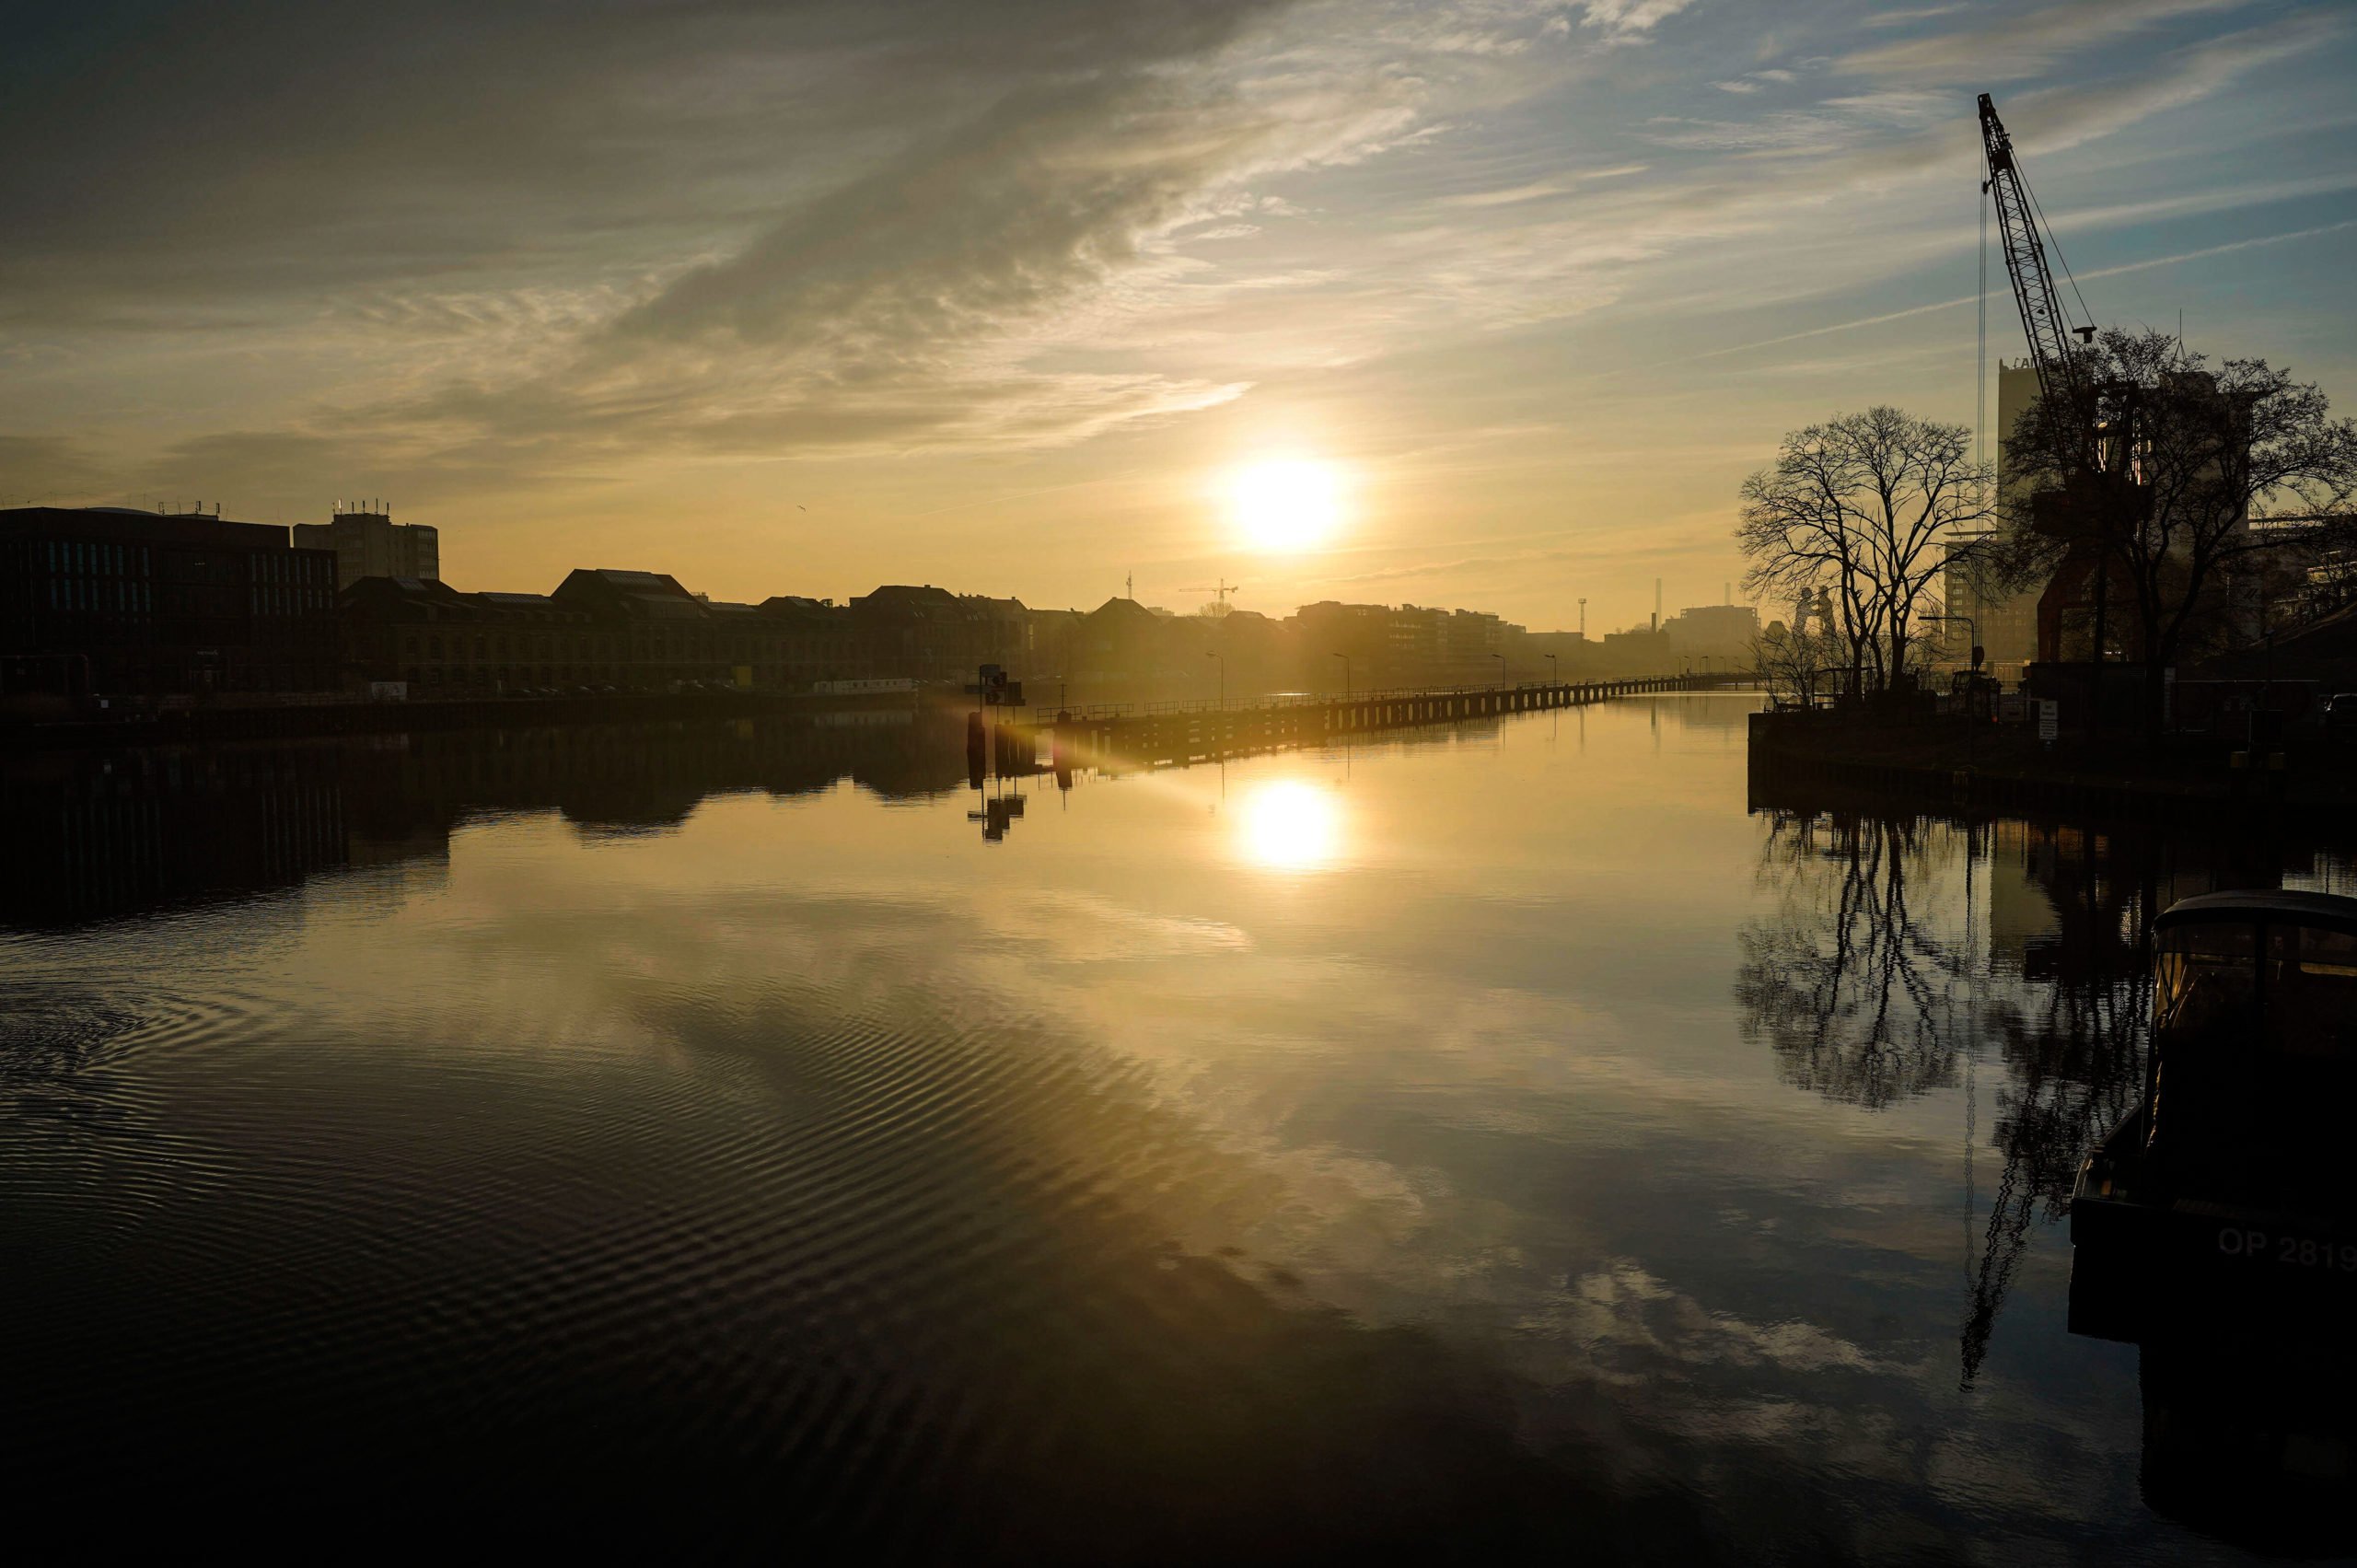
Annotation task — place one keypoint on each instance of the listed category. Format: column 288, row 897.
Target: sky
column 1002, row 295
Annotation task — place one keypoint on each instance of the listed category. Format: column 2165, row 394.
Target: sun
column 1287, row 505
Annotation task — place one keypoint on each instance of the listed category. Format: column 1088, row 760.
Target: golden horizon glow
column 1285, row 505
column 1291, row 825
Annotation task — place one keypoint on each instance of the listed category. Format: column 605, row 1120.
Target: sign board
column 2049, row 718
column 2011, row 708
column 388, row 690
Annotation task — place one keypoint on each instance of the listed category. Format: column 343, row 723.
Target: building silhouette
column 370, row 544
column 109, row 599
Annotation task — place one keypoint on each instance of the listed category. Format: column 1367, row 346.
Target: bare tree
column 1868, row 508
column 2165, row 470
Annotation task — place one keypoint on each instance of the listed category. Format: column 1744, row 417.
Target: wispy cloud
column 1959, row 301
column 1624, row 21
column 2022, row 44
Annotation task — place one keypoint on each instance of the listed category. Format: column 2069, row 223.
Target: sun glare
column 1285, row 505
column 1289, row 825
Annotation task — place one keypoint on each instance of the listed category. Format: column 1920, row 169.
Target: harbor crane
column 2098, row 497
column 2045, row 319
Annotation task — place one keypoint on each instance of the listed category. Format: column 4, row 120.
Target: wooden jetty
column 1173, row 733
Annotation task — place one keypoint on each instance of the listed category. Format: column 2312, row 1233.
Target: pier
column 1174, row 734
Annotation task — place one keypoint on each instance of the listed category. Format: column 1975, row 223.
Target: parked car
column 2340, row 712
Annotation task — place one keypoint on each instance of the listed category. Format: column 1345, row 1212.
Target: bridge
column 1167, row 735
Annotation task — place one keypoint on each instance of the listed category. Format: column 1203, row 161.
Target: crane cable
column 2054, row 243
column 1980, row 347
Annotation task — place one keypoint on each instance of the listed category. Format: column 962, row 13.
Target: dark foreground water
column 1491, row 1143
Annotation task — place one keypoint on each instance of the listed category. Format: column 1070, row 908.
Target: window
column 2311, row 991
column 2204, row 978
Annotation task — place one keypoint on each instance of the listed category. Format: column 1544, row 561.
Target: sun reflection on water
column 1291, row 825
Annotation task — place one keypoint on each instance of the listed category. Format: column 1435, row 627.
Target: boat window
column 2203, row 978
column 2312, row 993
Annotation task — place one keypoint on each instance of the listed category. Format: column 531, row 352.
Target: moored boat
column 2235, row 1167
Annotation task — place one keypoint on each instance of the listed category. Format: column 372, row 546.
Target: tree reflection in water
column 1849, row 989
column 1881, row 976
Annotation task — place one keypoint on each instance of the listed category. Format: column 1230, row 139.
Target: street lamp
column 1223, row 678
column 1502, row 667
column 1346, row 675
column 1555, row 677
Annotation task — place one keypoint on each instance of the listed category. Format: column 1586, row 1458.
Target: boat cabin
column 2252, row 1077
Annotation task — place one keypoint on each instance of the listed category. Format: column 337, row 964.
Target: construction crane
column 2043, row 319
column 1223, row 589
column 2097, row 498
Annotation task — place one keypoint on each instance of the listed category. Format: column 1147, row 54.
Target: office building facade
column 111, row 602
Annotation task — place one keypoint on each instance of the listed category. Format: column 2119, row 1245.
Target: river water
column 1489, row 1140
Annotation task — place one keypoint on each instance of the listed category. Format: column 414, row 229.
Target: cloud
column 1753, row 81
column 2021, row 45
column 907, row 307
column 40, row 469
column 1627, row 22
column 316, row 150
column 1921, row 13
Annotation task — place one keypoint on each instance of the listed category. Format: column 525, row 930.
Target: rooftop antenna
column 1130, row 588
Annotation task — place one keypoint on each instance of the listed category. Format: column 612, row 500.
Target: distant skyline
column 1016, row 297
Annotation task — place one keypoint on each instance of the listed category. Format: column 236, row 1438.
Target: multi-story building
column 1328, row 633
column 1704, row 635
column 1121, row 642
column 105, row 599
column 929, row 634
column 370, row 544
column 627, row 630
column 1479, row 647
column 2005, row 619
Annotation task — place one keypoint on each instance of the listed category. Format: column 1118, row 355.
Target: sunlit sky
column 1004, row 295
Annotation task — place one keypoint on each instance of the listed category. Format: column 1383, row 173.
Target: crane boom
column 2043, row 321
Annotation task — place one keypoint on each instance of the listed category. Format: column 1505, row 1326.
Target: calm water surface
column 1496, row 1139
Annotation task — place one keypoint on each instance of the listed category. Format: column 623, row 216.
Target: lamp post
column 1223, row 678
column 1502, row 667
column 1346, row 675
column 1555, row 676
